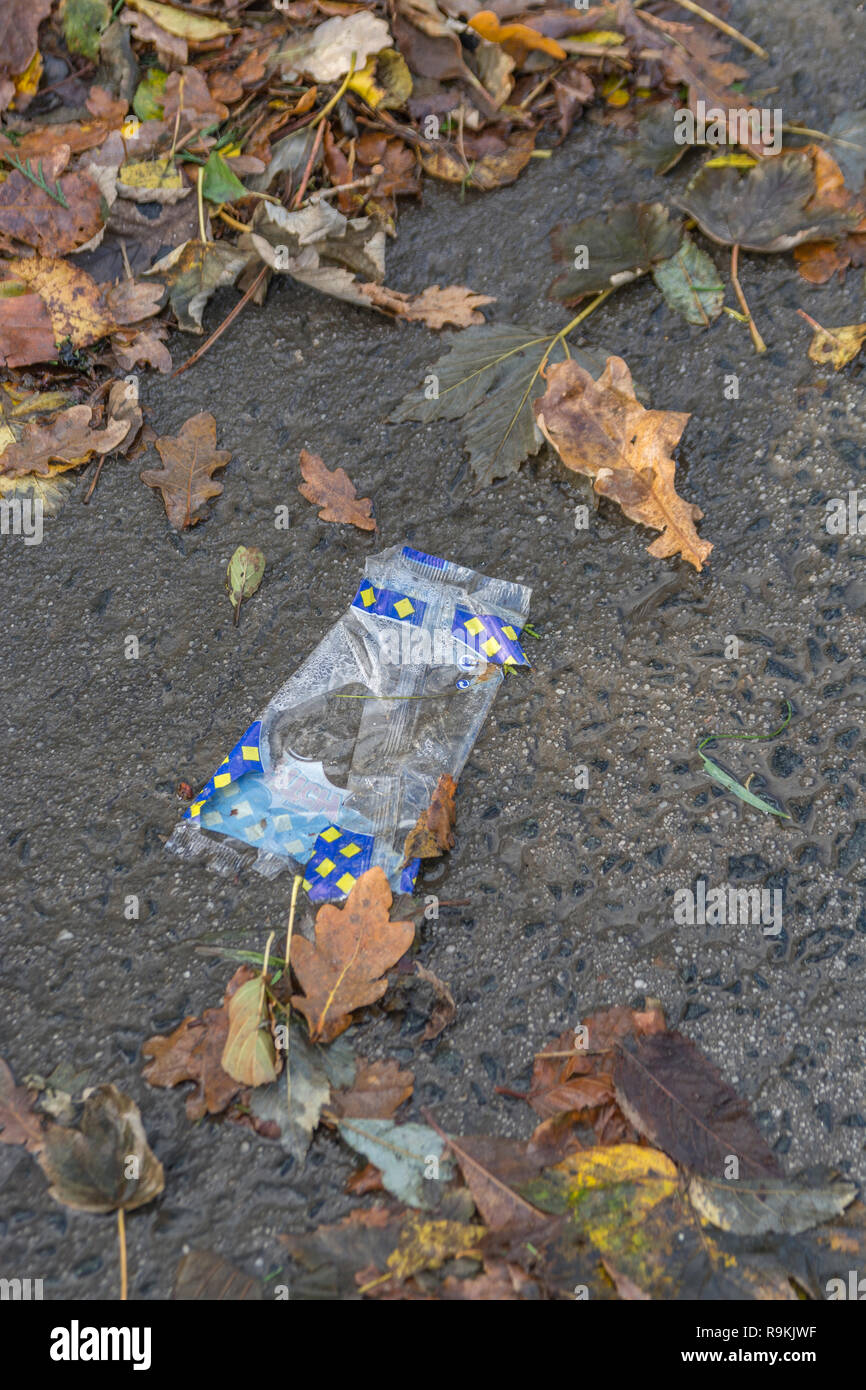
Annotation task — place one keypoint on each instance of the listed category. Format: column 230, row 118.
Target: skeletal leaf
column 332, row 491
column 607, row 250
column 189, row 461
column 107, row 1163
column 244, row 574
column 600, row 429
column 488, row 379
column 690, row 284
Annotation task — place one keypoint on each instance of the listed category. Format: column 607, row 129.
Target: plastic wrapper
column 348, row 753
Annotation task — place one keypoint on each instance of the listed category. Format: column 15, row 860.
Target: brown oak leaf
column 332, row 490
column 354, row 947
column 378, row 1090
column 193, row 1052
column 188, row 462
column 600, row 429
column 454, row 304
column 68, row 439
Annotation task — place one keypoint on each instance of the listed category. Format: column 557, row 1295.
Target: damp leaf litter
column 160, row 170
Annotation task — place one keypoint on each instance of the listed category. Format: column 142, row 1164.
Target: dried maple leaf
column 19, row 1123
column 193, row 1052
column 432, row 833
column 354, row 947
column 835, row 346
column 455, row 304
column 188, row 462
column 600, row 429
column 332, row 490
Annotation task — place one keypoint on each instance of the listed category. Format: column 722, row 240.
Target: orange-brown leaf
column 355, row 945
column 193, row 1052
column 600, row 429
column 189, row 460
column 432, row 833
column 332, row 490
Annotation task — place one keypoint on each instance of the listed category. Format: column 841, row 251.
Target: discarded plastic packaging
column 348, row 753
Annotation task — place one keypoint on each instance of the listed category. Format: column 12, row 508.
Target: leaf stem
column 121, row 1240
column 760, row 345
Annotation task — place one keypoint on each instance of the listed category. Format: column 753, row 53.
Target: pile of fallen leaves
column 644, row 1178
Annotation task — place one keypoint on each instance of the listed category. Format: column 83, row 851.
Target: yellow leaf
column 426, row 1244
column 607, row 38
column 72, row 298
column 27, row 82
column 196, row 28
column 731, row 161
column 249, row 1055
column 838, row 346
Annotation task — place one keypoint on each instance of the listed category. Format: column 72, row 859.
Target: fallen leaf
column 132, row 348
column 607, row 250
column 770, row 207
column 516, row 39
column 314, row 1071
column 411, row 1157
column 202, row 1274
column 326, row 54
column 189, row 461
column 152, row 181
column 354, row 946
column 249, row 1055
column 26, row 330
column 19, row 1122
column 73, row 300
column 599, row 428
column 498, row 1204
column 426, row 1244
column 198, row 28
column 171, row 49
column 837, row 346
column 489, row 378
column 244, row 574
column 433, row 832
column 193, row 272
column 690, row 284
column 674, row 1095
column 68, row 439
column 19, row 25
column 83, row 22
column 33, row 216
column 491, row 161
column 378, row 1090
column 848, row 132
column 193, row 1052
column 332, row 490
column 131, row 301
column 444, row 1009
column 763, row 1205
column 434, row 306
column 107, row 1163
column 219, row 182
column 187, row 101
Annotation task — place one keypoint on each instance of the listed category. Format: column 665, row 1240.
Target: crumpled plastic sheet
column 348, row 753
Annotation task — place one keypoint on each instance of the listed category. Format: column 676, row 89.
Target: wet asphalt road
column 571, row 889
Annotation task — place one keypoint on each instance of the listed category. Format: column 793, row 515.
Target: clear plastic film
column 349, row 751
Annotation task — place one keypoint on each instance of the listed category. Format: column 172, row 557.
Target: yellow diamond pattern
column 350, row 850
column 332, row 833
column 474, row 626
column 347, row 882
column 510, row 633
column 222, row 779
column 325, row 867
column 403, row 607
column 491, row 646
column 367, row 597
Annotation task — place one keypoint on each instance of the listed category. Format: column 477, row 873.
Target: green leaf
column 244, row 574
column 83, row 23
column 610, row 249
column 219, row 183
column 756, row 1208
column 690, row 284
column 732, row 784
column 411, row 1157
column 489, row 379
column 314, row 1070
column 766, row 208
column 147, row 102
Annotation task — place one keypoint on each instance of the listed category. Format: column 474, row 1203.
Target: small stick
column 720, row 24
column 229, row 318
column 96, row 474
column 819, row 327
column 760, row 345
column 338, row 188
column 121, row 1240
column 308, row 169
column 200, row 203
column 299, row 878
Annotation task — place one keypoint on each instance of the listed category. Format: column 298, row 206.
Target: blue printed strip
column 388, row 603
column 422, row 559
column 489, row 636
column 339, row 858
column 245, row 757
